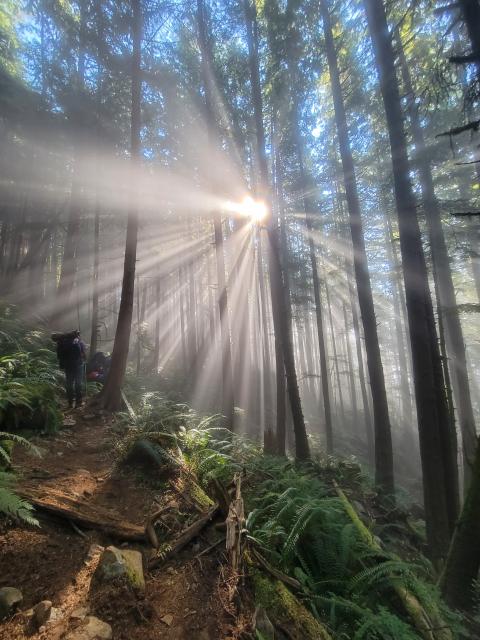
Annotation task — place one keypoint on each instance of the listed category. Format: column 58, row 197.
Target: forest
column 239, row 319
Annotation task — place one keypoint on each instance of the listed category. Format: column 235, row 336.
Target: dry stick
column 185, row 537
column 212, row 546
column 77, row 529
column 283, row 577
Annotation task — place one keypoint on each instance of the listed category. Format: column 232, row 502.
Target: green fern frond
column 375, row 577
column 21, row 441
column 15, row 507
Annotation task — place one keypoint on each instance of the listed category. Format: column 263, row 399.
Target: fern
column 378, row 576
column 15, row 507
column 384, row 626
column 15, row 438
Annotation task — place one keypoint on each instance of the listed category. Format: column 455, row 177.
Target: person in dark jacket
column 71, row 356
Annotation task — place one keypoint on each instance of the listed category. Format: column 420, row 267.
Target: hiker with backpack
column 71, row 356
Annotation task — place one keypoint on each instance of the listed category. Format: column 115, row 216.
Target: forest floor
column 184, row 598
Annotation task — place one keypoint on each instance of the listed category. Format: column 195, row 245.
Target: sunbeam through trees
column 252, row 229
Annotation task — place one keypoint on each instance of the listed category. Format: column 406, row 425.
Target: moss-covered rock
column 122, row 563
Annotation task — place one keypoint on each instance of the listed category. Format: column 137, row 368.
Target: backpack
column 69, row 349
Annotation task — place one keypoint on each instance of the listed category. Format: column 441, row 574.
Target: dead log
column 426, row 618
column 184, row 538
column 82, row 513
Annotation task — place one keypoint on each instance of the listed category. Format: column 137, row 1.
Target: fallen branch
column 470, row 126
column 465, row 59
column 77, row 529
column 461, row 214
column 185, row 537
column 283, row 577
column 212, row 546
column 461, row 164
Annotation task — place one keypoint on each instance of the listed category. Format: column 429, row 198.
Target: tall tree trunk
column 353, row 390
column 183, row 333
column 361, row 376
column 471, row 16
column 383, row 439
column 66, row 282
column 282, row 326
column 463, row 561
column 269, row 438
column 96, row 264
column 225, row 336
column 111, row 396
column 438, row 453
column 475, row 254
column 341, row 404
column 308, row 210
column 322, row 345
column 158, row 306
column 447, row 303
column 138, row 345
column 402, row 348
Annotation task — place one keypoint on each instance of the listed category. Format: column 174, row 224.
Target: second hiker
column 71, row 358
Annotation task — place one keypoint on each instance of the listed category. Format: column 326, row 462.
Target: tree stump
column 235, row 522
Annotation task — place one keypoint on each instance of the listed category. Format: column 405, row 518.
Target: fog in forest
column 247, row 141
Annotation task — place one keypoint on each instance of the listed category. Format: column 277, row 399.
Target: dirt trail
column 183, row 599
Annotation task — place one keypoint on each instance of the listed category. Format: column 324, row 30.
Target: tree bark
column 384, row 476
column 341, row 403
column 225, row 334
column 361, row 376
column 95, row 276
column 447, row 303
column 111, row 396
column 66, row 281
column 279, row 304
column 437, row 452
column 463, row 561
column 158, row 306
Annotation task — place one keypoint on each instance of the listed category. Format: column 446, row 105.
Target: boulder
column 122, row 563
column 149, row 457
column 41, row 613
column 91, row 629
column 10, row 598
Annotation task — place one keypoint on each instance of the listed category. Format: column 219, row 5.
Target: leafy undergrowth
column 29, row 377
column 29, row 387
column 358, row 577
